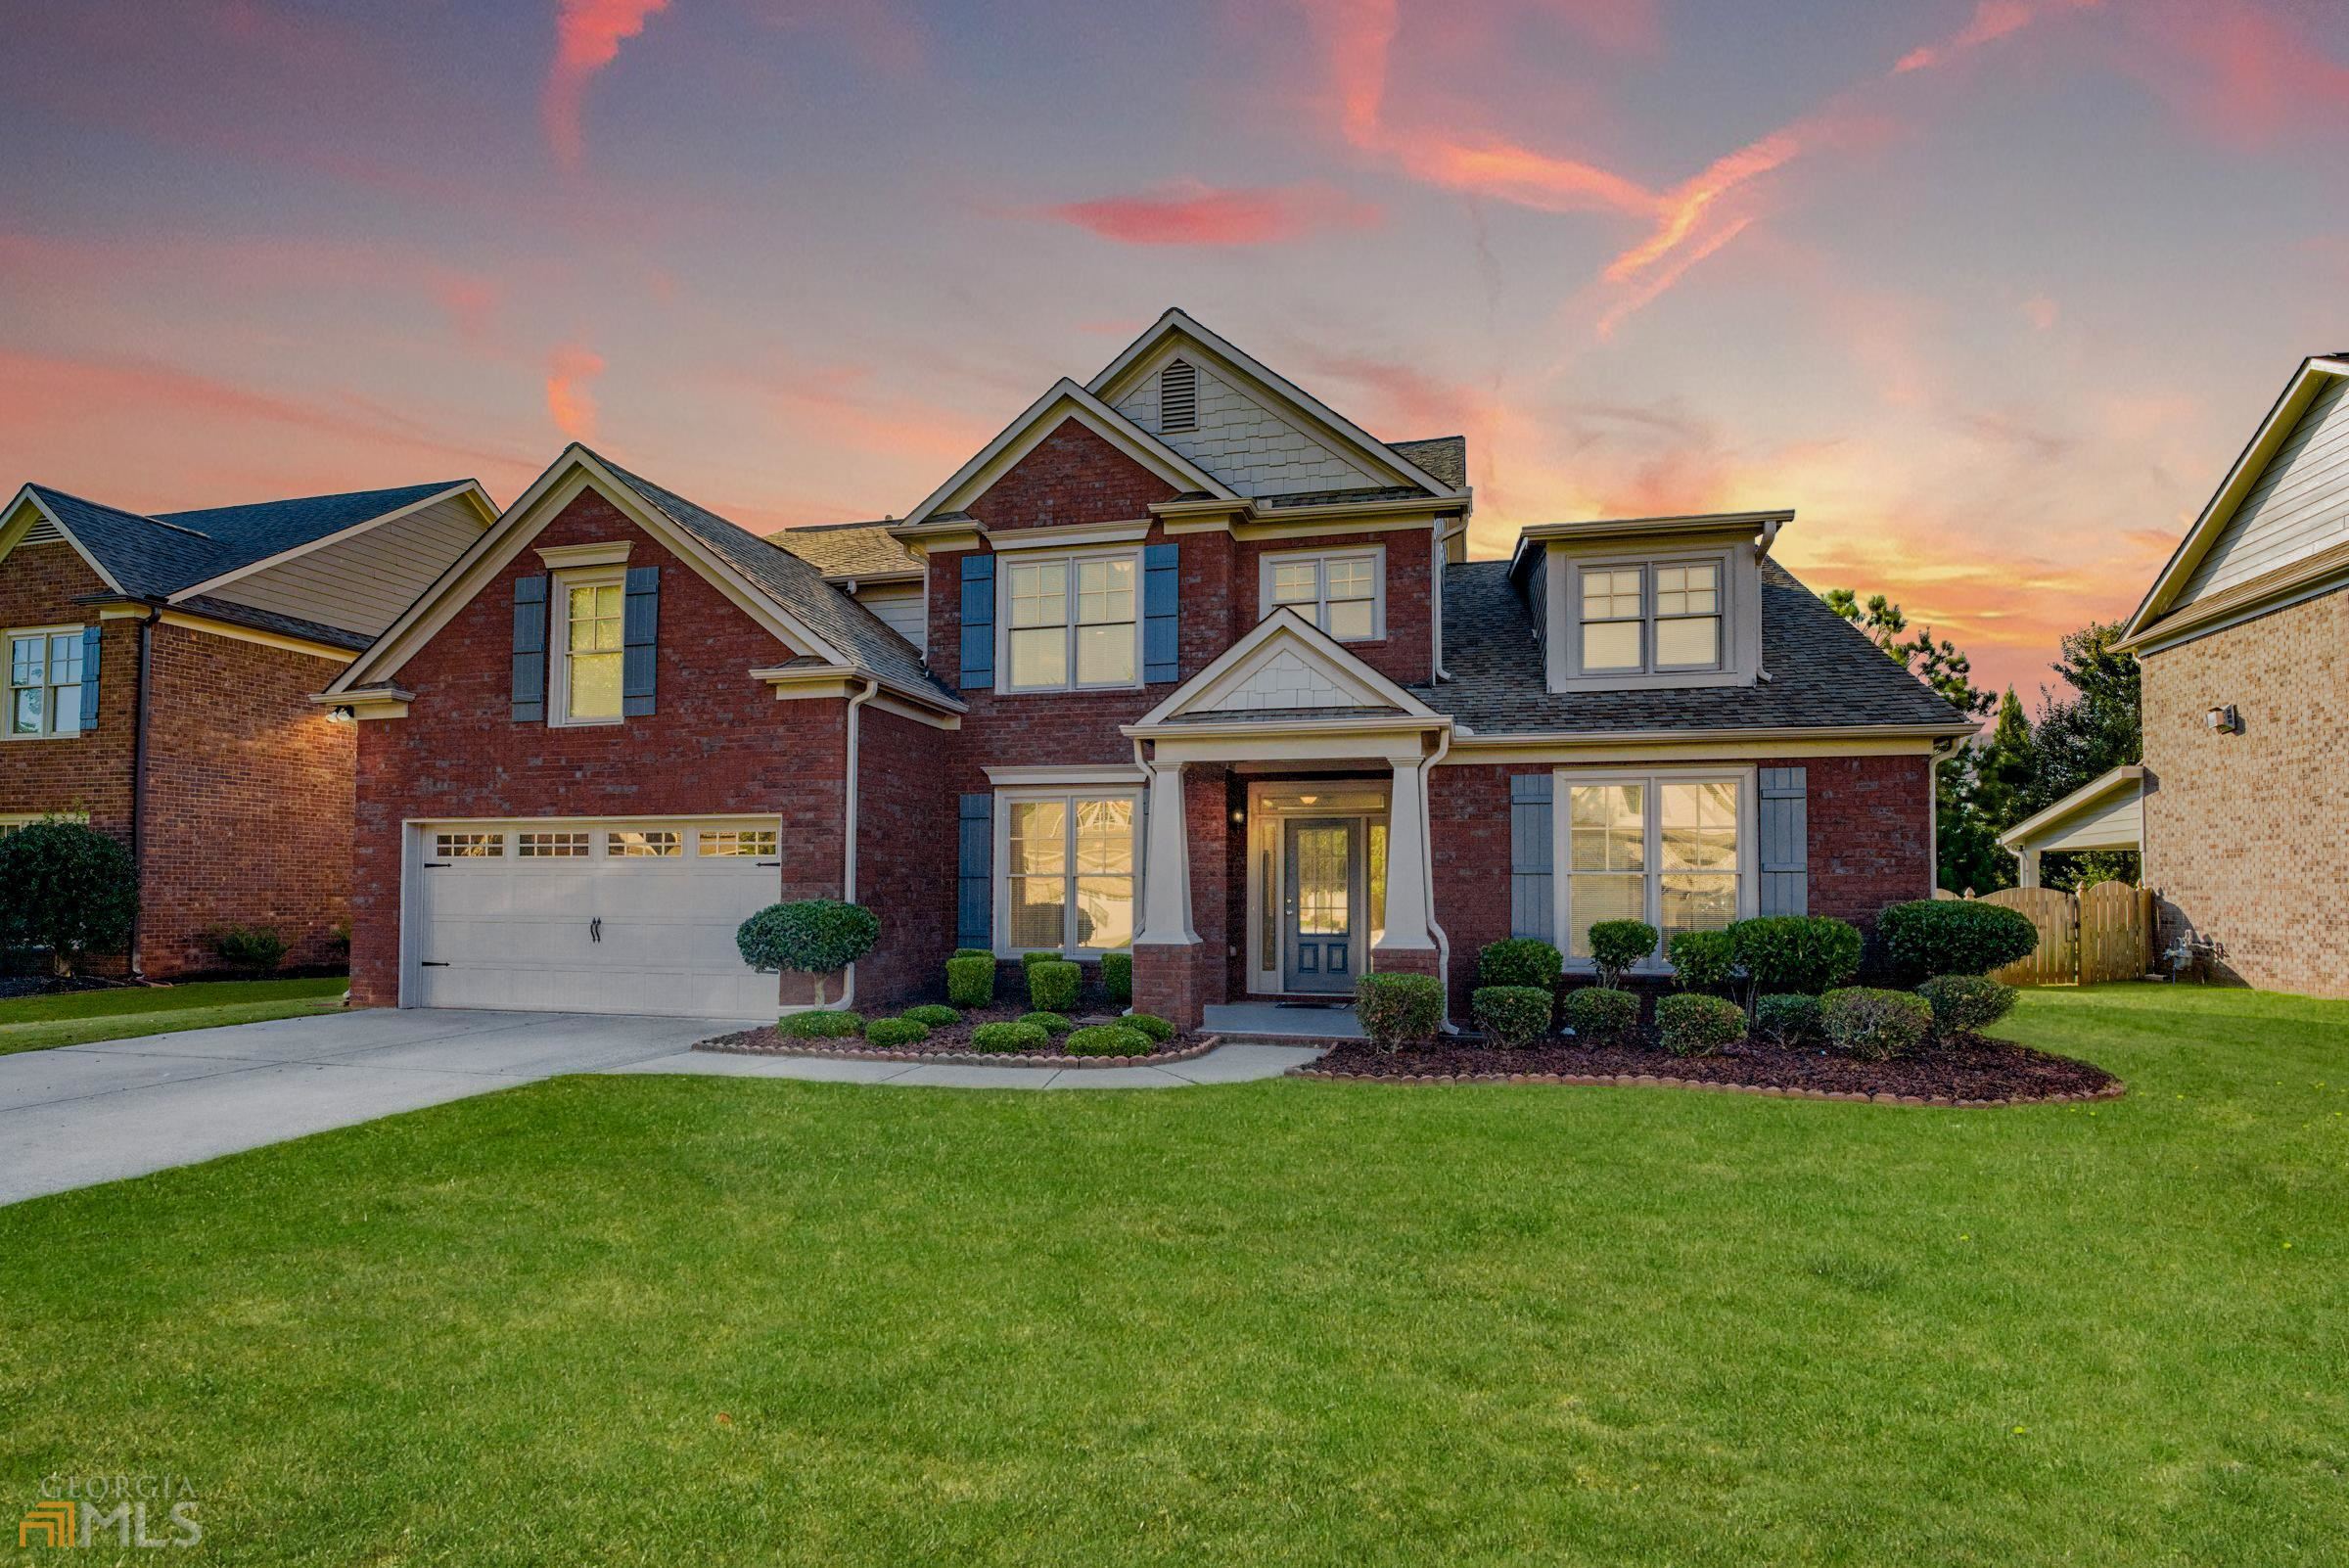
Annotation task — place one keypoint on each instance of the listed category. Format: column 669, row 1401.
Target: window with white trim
column 591, row 607
column 44, row 681
column 1071, row 623
column 469, row 846
column 1344, row 592
column 1643, row 617
column 1666, row 850
column 1068, row 877
column 551, row 845
column 16, row 822
column 747, row 843
column 644, row 844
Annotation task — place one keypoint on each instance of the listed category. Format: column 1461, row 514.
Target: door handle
column 595, row 929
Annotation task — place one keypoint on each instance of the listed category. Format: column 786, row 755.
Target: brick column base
column 1170, row 981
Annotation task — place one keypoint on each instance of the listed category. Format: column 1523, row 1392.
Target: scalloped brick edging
column 2110, row 1091
column 846, row 1053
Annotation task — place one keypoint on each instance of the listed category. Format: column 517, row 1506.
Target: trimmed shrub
column 1157, row 1029
column 819, row 1025
column 971, row 979
column 1601, row 1013
column 813, row 937
column 1789, row 955
column 1787, row 1019
column 1052, row 985
column 1954, row 937
column 1107, row 1040
column 933, row 1015
column 1693, row 1024
column 248, row 950
column 66, row 887
column 975, row 952
column 1010, row 1037
column 1511, row 1015
column 1519, row 961
column 1704, row 961
column 1617, row 945
column 1395, row 1008
column 1028, row 960
column 1049, row 1022
column 1117, row 977
column 896, row 1032
column 1873, row 1025
column 1966, row 1004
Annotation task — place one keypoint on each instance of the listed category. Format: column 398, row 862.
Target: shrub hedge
column 1107, row 1040
column 68, row 888
column 1149, row 1024
column 811, row 936
column 896, row 1032
column 1600, row 1013
column 1395, row 1008
column 971, row 979
column 1049, row 1022
column 1954, row 937
column 1787, row 1019
column 1873, row 1025
column 1519, row 961
column 1693, row 1024
column 819, row 1024
column 1052, row 985
column 1617, row 945
column 1117, row 977
column 1010, row 1037
column 1704, row 961
column 1965, row 1003
column 1511, row 1015
column 932, row 1014
column 1790, row 954
column 974, row 952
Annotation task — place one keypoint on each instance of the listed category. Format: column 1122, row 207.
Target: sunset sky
column 1991, row 293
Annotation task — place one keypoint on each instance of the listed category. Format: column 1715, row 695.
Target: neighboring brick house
column 2244, row 643
column 159, row 678
column 1200, row 669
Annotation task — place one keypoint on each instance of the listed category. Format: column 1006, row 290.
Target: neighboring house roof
column 245, row 615
column 1443, row 457
column 1824, row 673
column 2090, row 817
column 843, row 551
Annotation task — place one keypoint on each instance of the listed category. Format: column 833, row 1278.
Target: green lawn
column 666, row 1320
column 78, row 1017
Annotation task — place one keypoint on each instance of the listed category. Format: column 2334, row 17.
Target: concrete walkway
column 79, row 1114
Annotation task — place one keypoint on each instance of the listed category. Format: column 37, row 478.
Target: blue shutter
column 530, row 650
column 974, row 873
column 978, row 622
column 90, row 647
column 639, row 638
column 1784, row 834
column 1530, row 856
column 1162, row 589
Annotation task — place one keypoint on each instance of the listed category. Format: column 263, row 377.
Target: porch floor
column 1264, row 1018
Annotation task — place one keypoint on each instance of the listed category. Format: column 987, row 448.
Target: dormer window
column 1650, row 617
column 1178, row 396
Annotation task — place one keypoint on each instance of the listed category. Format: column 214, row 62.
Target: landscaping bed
column 953, row 1044
column 1968, row 1069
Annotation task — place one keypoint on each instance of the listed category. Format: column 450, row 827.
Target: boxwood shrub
column 1693, row 1024
column 896, row 1032
column 1966, row 1004
column 971, row 980
column 1049, row 1022
column 1519, row 961
column 1704, row 961
column 1052, row 985
column 973, row 952
column 1117, row 977
column 1873, row 1025
column 1954, row 937
column 1395, row 1008
column 1010, row 1037
column 1107, row 1040
column 1617, row 945
column 1787, row 1019
column 1601, row 1014
column 1149, row 1024
column 818, row 1024
column 932, row 1014
column 1028, row 960
column 1785, row 954
column 1511, row 1015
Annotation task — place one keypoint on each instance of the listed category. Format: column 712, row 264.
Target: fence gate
column 2056, row 960
column 2104, row 934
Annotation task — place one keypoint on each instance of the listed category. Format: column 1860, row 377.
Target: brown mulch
column 954, row 1041
column 1969, row 1070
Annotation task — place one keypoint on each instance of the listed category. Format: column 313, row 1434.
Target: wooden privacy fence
column 2106, row 933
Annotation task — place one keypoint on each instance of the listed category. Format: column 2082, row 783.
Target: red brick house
column 1201, row 670
column 159, row 670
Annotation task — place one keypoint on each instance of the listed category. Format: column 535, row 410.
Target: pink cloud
column 1993, row 19
column 2041, row 312
column 1190, row 212
column 569, row 401
column 2239, row 70
column 588, row 34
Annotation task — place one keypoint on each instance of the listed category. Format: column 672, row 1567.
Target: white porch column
column 1166, row 864
column 1408, row 868
column 2030, row 867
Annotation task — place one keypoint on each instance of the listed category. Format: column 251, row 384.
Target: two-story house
column 1202, row 672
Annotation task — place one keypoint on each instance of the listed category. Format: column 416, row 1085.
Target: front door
column 1323, row 905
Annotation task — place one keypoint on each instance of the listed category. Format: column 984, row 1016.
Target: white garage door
column 592, row 917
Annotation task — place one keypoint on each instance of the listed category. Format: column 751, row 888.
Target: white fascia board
column 2122, row 780
column 9, row 536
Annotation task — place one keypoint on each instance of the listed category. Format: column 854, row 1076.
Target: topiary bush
column 1010, row 1037
column 896, row 1032
column 1520, row 961
column 818, row 1024
column 975, row 952
column 1787, row 1019
column 1117, row 977
column 1787, row 954
column 971, row 979
column 1601, row 1014
column 933, row 1015
column 1873, row 1025
column 1704, row 961
column 1052, row 985
column 1693, row 1024
column 1395, row 1008
column 1617, row 945
column 1107, row 1040
column 815, row 936
column 1158, row 1029
column 1511, row 1015
column 1049, row 1022
column 248, row 950
column 66, row 887
column 1966, row 1004
column 1954, row 937
column 1028, row 960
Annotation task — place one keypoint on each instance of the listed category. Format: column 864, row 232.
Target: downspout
column 1941, row 752
column 138, row 786
column 1435, row 928
column 848, row 868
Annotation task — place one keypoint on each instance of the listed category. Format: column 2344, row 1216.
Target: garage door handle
column 433, row 963
column 595, row 929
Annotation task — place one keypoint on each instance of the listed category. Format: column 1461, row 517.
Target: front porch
column 1257, row 1018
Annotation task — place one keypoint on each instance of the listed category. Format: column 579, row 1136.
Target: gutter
column 848, row 862
column 138, row 786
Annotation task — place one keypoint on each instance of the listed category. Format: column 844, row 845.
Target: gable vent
column 1178, row 396
column 42, row 533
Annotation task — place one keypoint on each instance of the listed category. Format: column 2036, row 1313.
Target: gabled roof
column 2103, row 790
column 1062, row 401
column 1445, row 457
column 1285, row 670
column 849, row 551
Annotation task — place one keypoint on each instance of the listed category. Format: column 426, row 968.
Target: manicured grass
column 78, row 1017
column 657, row 1320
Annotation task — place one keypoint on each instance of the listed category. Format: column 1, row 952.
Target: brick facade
column 2246, row 836
column 88, row 773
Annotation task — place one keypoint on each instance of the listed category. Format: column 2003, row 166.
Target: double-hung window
column 1069, row 881
column 1663, row 848
column 1344, row 593
column 44, row 681
column 589, row 612
column 1644, row 617
column 1071, row 622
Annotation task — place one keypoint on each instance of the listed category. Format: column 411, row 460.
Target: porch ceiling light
column 1309, row 800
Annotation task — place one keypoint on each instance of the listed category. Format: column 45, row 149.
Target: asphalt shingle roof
column 1443, row 457
column 245, row 615
column 849, row 549
column 1823, row 672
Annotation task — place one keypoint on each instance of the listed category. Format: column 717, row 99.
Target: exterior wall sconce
column 2223, row 720
column 340, row 715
